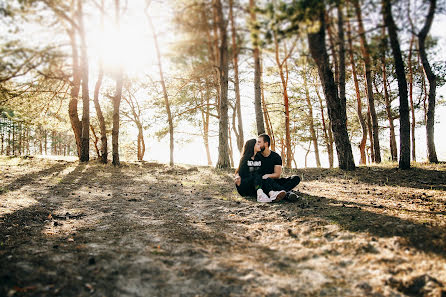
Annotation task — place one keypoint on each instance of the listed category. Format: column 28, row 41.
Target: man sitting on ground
column 272, row 168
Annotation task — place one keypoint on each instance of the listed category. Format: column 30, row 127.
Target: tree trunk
column 205, row 118
column 327, row 131
column 412, row 109
column 338, row 118
column 432, row 78
column 166, row 97
column 223, row 127
column 117, row 99
column 141, row 143
column 369, row 82
column 393, row 148
column 231, row 157
column 239, row 129
column 370, row 130
column 267, row 119
column 217, row 61
column 76, row 124
column 362, row 145
column 404, row 162
column 104, row 145
column 257, row 73
column 286, row 104
column 213, row 55
column 46, row 143
column 19, row 142
column 95, row 141
column 333, row 50
column 310, row 119
column 341, row 56
column 85, row 135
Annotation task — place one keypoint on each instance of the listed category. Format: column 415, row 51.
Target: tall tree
column 238, row 130
column 432, row 78
column 163, row 84
column 282, row 65
column 393, row 148
column 341, row 42
column 310, row 117
column 412, row 109
column 135, row 115
column 404, row 162
column 328, row 135
column 85, row 138
column 117, row 98
column 368, row 73
column 358, row 97
column 257, row 73
column 104, row 145
column 336, row 112
column 223, row 127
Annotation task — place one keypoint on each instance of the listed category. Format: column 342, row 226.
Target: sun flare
column 129, row 47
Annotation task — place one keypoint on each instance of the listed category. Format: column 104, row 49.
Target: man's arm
column 276, row 174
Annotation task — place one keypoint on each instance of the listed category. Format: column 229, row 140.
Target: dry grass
column 145, row 229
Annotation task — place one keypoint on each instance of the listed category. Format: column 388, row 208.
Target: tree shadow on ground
column 352, row 217
column 27, row 179
column 70, row 264
column 24, row 245
column 417, row 178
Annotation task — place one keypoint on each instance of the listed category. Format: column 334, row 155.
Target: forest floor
column 147, row 229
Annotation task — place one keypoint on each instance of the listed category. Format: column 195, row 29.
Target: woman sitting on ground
column 248, row 179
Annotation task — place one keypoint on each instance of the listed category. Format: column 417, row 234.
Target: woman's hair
column 248, row 151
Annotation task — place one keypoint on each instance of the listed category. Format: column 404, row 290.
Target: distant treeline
column 19, row 138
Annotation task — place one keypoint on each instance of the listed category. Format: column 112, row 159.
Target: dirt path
column 70, row 229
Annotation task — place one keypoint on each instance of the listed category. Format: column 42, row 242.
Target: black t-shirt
column 269, row 162
column 250, row 166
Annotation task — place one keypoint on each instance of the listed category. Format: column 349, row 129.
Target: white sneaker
column 262, row 197
column 276, row 196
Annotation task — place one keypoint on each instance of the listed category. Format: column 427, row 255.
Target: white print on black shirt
column 254, row 165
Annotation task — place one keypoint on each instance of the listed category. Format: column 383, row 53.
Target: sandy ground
column 145, row 229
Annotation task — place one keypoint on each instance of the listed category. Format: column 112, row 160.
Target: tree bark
column 104, row 146
column 205, row 118
column 76, row 124
column 223, row 127
column 404, row 162
column 338, row 118
column 432, row 78
column 284, row 80
column 369, row 82
column 341, row 56
column 141, row 143
column 327, row 131
column 363, row 142
column 117, row 99
column 257, row 91
column 95, row 141
column 166, row 97
column 310, row 119
column 85, row 136
column 393, row 148
column 239, row 128
column 266, row 117
column 412, row 109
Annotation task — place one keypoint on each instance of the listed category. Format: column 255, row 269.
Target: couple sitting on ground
column 258, row 173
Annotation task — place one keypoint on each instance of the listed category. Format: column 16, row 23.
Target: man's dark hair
column 266, row 138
